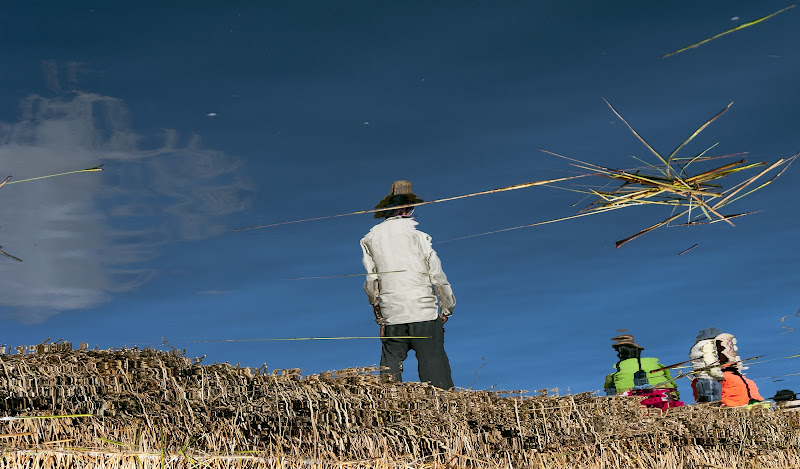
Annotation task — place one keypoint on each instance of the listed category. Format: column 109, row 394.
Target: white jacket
column 410, row 295
column 703, row 355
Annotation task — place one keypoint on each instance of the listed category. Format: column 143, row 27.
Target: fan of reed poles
column 700, row 197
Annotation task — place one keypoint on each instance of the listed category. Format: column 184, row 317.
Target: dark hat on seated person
column 625, row 339
column 784, row 395
column 708, row 333
column 399, row 195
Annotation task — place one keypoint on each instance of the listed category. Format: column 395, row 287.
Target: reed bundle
column 667, row 183
column 737, row 28
column 147, row 408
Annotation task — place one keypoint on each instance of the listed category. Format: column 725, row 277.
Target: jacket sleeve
column 709, row 351
column 669, row 383
column 447, row 301
column 371, row 285
column 609, row 386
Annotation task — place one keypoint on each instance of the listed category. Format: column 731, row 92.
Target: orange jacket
column 738, row 390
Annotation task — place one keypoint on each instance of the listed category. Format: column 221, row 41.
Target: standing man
column 404, row 280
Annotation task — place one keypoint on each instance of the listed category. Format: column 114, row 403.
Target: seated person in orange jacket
column 736, row 389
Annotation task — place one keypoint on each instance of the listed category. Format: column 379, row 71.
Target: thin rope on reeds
column 285, row 339
column 699, row 197
column 446, row 199
column 37, row 178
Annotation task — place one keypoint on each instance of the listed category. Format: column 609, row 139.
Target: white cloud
column 85, row 236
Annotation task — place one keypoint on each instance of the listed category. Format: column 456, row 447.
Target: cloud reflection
column 83, row 237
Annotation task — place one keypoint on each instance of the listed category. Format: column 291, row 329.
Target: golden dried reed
column 160, row 409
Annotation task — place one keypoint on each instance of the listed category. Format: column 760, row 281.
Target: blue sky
column 209, row 117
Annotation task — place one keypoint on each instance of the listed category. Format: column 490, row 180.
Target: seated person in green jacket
column 633, row 376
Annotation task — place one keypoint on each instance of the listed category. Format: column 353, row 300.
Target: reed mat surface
column 132, row 408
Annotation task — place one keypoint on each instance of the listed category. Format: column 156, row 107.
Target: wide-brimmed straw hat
column 400, row 194
column 625, row 339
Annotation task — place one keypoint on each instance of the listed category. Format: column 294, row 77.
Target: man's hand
column 383, row 331
column 378, row 318
column 444, row 319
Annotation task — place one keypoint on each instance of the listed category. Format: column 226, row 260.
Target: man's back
column 405, row 291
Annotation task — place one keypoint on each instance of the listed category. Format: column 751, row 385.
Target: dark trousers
column 707, row 390
column 434, row 367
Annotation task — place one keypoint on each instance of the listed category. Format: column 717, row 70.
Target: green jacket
column 623, row 379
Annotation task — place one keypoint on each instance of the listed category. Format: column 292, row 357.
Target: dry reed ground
column 147, row 408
